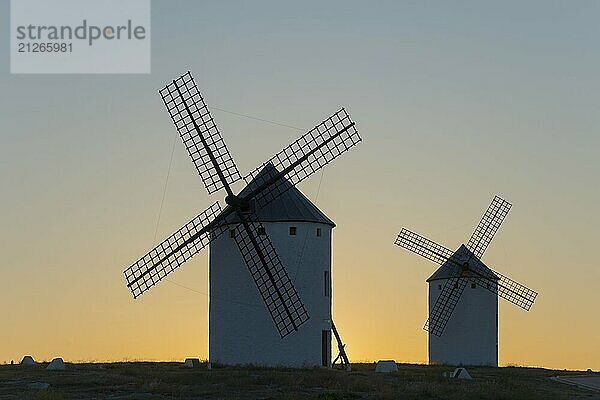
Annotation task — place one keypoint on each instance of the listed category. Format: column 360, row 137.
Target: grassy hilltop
column 146, row 380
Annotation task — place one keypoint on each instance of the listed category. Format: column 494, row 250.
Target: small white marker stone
column 459, row 373
column 191, row 363
column 28, row 360
column 57, row 364
column 38, row 386
column 386, row 366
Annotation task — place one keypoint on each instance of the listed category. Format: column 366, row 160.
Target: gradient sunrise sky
column 456, row 102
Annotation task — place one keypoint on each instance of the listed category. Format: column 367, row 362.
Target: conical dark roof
column 289, row 206
column 449, row 269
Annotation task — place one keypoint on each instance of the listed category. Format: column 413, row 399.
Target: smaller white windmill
column 470, row 337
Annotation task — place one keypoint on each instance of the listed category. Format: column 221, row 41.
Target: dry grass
column 142, row 380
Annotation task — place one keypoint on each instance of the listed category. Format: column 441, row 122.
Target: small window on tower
column 326, row 283
column 439, row 287
column 232, row 233
column 456, row 286
column 261, row 230
column 292, row 230
column 472, row 286
column 318, row 231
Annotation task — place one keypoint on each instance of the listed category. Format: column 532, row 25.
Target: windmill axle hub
column 233, row 200
column 242, row 205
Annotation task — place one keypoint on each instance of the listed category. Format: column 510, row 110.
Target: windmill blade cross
column 216, row 167
column 199, row 133
column 172, row 252
column 270, row 276
column 422, row 246
column 488, row 226
column 467, row 266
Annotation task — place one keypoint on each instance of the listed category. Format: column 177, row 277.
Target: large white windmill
column 240, row 331
column 269, row 214
column 465, row 289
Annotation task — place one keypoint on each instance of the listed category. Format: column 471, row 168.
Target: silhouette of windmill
column 473, row 336
column 265, row 186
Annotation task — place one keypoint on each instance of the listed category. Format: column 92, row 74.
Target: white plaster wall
column 241, row 330
column 471, row 335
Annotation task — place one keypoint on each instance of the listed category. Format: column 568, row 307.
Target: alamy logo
column 80, row 36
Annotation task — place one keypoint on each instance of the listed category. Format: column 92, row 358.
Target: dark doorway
column 325, row 348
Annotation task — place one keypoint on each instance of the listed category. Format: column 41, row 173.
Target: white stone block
column 57, row 364
column 191, row 363
column 28, row 360
column 386, row 366
column 38, row 386
column 458, row 373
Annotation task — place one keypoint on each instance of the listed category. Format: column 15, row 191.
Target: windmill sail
column 271, row 278
column 172, row 252
column 199, row 133
column 488, row 226
column 445, row 305
column 307, row 155
column 510, row 290
column 422, row 246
